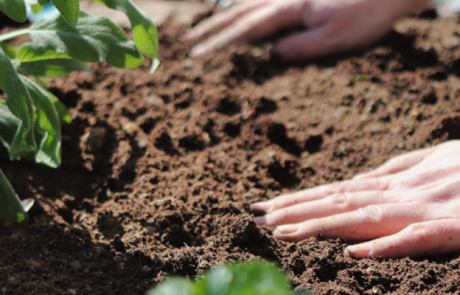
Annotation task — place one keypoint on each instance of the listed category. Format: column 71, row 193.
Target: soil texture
column 159, row 170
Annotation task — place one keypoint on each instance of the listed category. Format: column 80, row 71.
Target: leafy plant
column 250, row 278
column 30, row 116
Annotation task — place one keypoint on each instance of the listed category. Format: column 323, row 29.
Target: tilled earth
column 158, row 171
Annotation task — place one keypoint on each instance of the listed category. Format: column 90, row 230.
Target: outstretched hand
column 331, row 25
column 410, row 206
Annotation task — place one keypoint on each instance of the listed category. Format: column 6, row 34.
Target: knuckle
column 341, row 200
column 280, row 216
column 392, row 162
column 394, row 183
column 419, row 233
column 342, row 187
column 371, row 214
column 382, row 184
column 391, row 245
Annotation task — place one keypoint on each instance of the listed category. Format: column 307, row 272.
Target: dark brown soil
column 159, row 170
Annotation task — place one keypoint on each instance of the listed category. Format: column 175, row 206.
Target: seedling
column 30, row 116
column 250, row 278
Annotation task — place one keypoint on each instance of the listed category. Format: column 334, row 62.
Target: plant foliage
column 30, row 116
column 252, row 278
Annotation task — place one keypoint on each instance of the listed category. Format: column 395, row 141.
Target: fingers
column 222, row 19
column 256, row 25
column 321, row 192
column 312, row 43
column 398, row 164
column 332, row 205
column 421, row 239
column 367, row 223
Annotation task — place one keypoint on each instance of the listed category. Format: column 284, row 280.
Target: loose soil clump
column 158, row 171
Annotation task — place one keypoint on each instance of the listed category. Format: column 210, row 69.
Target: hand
column 410, row 206
column 332, row 25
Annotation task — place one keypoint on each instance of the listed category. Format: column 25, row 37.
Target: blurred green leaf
column 49, row 152
column 64, row 115
column 9, row 123
column 174, row 286
column 43, row 2
column 52, row 68
column 14, row 9
column 252, row 278
column 9, row 50
column 94, row 39
column 247, row 278
column 11, row 210
column 69, row 9
column 36, row 8
column 20, row 105
column 145, row 32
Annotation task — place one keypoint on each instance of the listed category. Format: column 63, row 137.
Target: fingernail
column 260, row 221
column 187, row 36
column 257, row 212
column 286, row 230
column 277, row 49
column 197, row 51
column 265, row 207
column 358, row 252
column 347, row 253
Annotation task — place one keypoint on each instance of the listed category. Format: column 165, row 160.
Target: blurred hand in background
column 331, row 26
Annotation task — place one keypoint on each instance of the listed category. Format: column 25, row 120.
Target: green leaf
column 64, row 115
column 9, row 50
column 52, row 68
column 43, row 2
column 69, row 10
column 174, row 286
column 94, row 39
column 20, row 105
column 15, row 9
column 145, row 32
column 11, row 209
column 253, row 278
column 9, row 123
column 49, row 152
column 36, row 8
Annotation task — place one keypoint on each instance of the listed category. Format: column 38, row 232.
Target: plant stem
column 14, row 34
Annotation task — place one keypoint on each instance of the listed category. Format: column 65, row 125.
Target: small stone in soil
column 95, row 139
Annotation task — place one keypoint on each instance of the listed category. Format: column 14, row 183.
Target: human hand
column 332, row 25
column 410, row 206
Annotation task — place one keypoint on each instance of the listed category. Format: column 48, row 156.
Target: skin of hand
column 409, row 206
column 332, row 26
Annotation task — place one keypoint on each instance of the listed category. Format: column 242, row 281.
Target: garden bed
column 158, row 171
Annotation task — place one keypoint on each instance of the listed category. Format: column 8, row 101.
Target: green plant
column 30, row 116
column 246, row 278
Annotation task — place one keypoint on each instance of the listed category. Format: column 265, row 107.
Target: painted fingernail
column 197, row 51
column 275, row 53
column 260, row 221
column 265, row 207
column 257, row 212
